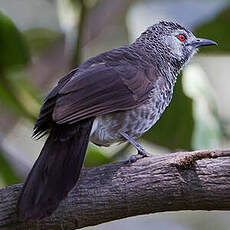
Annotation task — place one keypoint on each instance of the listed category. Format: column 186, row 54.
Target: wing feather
column 102, row 90
column 45, row 120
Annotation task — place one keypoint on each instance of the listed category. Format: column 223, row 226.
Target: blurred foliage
column 217, row 30
column 15, row 92
column 175, row 128
column 11, row 42
column 39, row 40
column 7, row 173
column 207, row 131
column 14, row 57
column 95, row 157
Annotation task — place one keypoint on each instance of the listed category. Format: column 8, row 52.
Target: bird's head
column 173, row 41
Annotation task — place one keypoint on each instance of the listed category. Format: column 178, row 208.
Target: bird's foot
column 139, row 155
column 141, row 152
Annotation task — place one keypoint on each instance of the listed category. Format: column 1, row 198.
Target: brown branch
column 181, row 181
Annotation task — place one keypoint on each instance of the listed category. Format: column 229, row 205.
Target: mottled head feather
column 161, row 42
column 171, row 26
column 164, row 27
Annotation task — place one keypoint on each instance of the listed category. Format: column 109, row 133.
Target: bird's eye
column 181, row 37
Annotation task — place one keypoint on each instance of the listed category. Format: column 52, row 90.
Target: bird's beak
column 202, row 42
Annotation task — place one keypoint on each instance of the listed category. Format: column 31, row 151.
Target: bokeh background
column 40, row 40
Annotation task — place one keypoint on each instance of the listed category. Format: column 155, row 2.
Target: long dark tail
column 56, row 171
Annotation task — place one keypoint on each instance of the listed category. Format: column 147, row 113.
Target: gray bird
column 113, row 97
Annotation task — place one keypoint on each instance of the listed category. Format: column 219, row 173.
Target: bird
column 109, row 99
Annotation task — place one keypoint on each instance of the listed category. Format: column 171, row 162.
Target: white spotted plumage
column 106, row 128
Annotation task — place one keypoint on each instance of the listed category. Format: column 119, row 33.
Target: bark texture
column 180, row 181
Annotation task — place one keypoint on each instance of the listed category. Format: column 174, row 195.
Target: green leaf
column 14, row 52
column 7, row 174
column 27, row 94
column 95, row 157
column 9, row 101
column 175, row 128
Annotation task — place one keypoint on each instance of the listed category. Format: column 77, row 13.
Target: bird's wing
column 103, row 89
column 45, row 120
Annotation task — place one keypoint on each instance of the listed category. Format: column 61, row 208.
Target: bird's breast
column 106, row 128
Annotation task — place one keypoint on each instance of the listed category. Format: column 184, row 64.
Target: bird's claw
column 134, row 158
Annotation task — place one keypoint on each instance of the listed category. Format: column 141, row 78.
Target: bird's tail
column 56, row 171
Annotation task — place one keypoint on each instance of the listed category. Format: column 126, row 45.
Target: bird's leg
column 141, row 152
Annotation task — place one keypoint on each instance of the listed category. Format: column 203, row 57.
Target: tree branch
column 181, row 181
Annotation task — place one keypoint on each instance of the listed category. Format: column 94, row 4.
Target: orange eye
column 181, row 37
